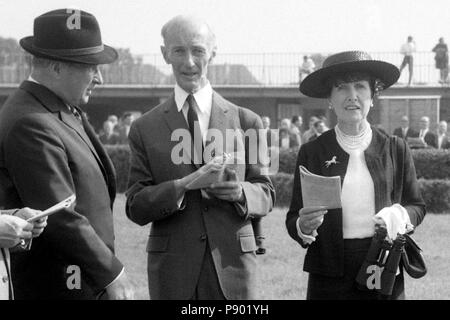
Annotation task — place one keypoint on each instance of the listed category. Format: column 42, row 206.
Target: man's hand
column 311, row 218
column 38, row 225
column 230, row 190
column 12, row 230
column 181, row 184
column 120, row 289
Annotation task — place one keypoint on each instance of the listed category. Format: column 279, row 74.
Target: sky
column 255, row 26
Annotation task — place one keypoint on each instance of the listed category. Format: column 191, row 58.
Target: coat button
column 205, row 209
column 203, row 237
column 5, row 279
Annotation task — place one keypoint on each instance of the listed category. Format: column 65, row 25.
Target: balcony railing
column 262, row 69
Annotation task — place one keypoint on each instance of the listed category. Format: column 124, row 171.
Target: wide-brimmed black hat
column 68, row 35
column 315, row 84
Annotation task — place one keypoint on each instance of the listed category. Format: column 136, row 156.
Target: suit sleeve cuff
column 307, row 239
column 120, row 274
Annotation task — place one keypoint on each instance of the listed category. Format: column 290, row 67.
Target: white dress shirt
column 405, row 131
column 423, row 133
column 408, row 48
column 440, row 139
column 203, row 106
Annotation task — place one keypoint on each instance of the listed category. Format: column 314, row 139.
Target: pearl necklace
column 359, row 142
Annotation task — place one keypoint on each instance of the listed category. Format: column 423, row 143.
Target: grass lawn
column 281, row 273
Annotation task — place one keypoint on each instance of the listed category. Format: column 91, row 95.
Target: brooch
column 330, row 162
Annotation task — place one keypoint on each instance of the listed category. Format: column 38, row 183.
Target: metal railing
column 261, row 69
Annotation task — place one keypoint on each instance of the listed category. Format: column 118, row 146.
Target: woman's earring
column 330, row 106
column 371, row 104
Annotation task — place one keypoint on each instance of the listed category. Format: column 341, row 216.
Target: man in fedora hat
column 49, row 151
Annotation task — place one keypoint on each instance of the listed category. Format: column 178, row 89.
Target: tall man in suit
column 201, row 243
column 48, row 151
column 404, row 131
column 428, row 138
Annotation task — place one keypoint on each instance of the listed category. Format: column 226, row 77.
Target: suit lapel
column 55, row 105
column 175, row 120
column 69, row 119
column 218, row 120
column 224, row 118
column 219, row 112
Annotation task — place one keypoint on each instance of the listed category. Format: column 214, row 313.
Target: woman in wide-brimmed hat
column 374, row 194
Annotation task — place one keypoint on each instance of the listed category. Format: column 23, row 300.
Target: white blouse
column 358, row 193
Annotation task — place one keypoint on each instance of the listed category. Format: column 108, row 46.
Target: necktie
column 75, row 112
column 194, row 129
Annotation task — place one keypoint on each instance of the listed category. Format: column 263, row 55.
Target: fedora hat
column 68, row 35
column 315, row 84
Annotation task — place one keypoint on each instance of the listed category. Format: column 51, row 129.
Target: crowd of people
column 425, row 137
column 115, row 132
column 291, row 134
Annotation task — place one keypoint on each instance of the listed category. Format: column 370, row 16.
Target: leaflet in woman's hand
column 320, row 190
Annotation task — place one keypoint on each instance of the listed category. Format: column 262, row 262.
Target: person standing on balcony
column 203, row 241
column 306, row 68
column 441, row 59
column 407, row 49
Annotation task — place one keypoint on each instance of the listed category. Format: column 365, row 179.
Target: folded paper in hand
column 319, row 190
column 213, row 175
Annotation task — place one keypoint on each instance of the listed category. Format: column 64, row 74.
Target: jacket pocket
column 248, row 243
column 157, row 243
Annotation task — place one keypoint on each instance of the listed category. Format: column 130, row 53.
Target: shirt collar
column 31, row 79
column 203, row 98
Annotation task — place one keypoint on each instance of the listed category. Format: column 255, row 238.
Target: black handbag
column 384, row 255
column 411, row 257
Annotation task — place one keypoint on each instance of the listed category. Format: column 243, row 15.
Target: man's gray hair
column 44, row 63
column 41, row 63
column 175, row 21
